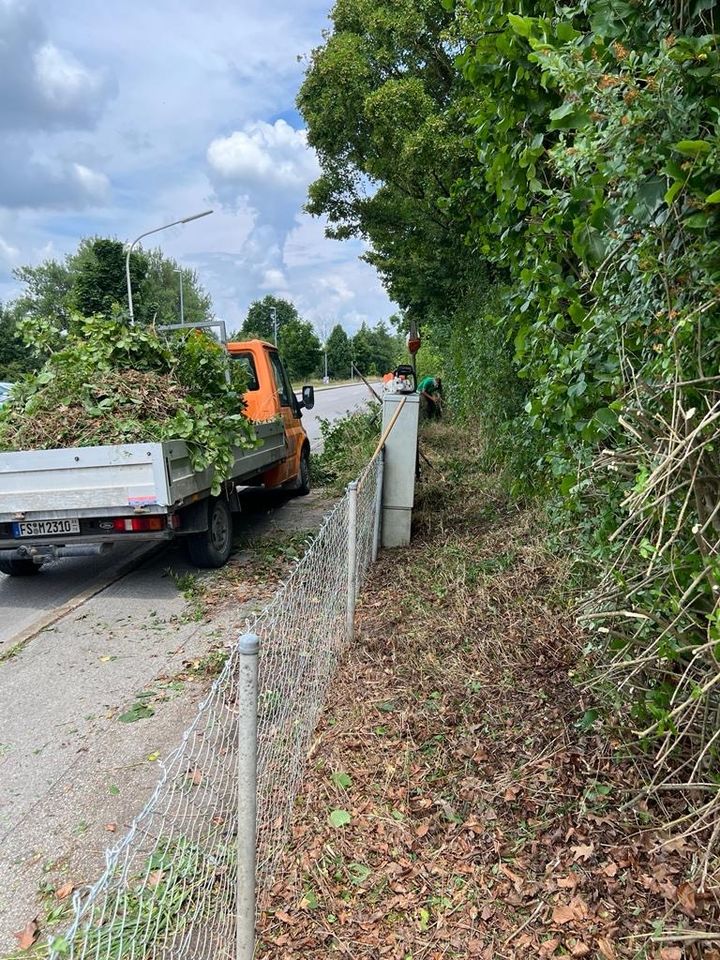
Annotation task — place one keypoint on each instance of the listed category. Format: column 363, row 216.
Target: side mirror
column 308, row 397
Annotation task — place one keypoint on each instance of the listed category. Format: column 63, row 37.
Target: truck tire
column 213, row 546
column 18, row 567
column 301, row 484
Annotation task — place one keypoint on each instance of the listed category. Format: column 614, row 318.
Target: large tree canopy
column 264, row 314
column 384, row 106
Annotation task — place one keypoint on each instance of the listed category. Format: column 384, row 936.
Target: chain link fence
column 170, row 887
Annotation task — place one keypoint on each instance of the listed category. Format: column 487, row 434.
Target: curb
column 13, row 645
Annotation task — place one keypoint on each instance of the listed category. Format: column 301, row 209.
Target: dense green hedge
column 570, row 278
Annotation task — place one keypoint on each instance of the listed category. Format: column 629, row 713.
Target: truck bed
column 122, row 478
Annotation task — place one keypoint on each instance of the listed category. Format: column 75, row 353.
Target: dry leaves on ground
column 484, row 815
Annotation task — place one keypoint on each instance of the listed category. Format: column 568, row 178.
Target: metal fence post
column 247, row 696
column 378, row 504
column 352, row 561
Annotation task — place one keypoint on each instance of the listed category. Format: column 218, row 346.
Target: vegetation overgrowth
column 115, row 383
column 546, row 207
column 347, row 445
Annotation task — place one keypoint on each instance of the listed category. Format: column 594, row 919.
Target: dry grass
column 485, row 808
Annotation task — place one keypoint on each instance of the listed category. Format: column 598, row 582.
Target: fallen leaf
column 422, row 829
column 686, row 898
column 580, row 950
column 563, row 914
column 156, row 877
column 285, row 917
column 567, row 883
column 609, row 869
column 63, row 892
column 196, row 777
column 583, row 851
column 671, row 953
column 138, row 711
column 549, row 947
column 26, row 937
column 606, row 948
column 111, row 827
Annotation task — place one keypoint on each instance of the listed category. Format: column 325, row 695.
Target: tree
column 384, row 105
column 363, row 352
column 92, row 280
column 260, row 321
column 339, row 353
column 15, row 357
column 385, row 348
column 97, row 277
column 300, row 348
column 160, row 292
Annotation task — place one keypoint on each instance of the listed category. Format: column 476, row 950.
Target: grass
column 179, row 884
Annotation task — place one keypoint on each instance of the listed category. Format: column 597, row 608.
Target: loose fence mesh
column 169, row 889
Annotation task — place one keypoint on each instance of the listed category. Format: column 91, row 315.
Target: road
column 25, row 602
column 330, row 404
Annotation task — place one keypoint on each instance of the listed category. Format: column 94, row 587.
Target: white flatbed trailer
column 71, row 501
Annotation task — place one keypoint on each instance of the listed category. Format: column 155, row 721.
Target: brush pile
column 113, row 383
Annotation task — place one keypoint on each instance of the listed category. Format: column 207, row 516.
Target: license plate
column 45, row 528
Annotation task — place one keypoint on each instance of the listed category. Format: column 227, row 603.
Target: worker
column 430, row 390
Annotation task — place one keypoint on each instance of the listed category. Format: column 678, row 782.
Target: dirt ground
column 462, row 797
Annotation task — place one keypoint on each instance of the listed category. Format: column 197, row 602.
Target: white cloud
column 95, row 185
column 7, row 252
column 62, row 80
column 274, row 280
column 265, row 155
column 337, row 288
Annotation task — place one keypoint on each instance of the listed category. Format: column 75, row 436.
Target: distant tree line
column 373, row 350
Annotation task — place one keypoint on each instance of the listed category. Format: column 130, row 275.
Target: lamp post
column 195, row 216
column 273, row 314
column 182, row 305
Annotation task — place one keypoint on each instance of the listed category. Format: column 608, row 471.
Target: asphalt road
column 24, row 602
column 332, row 404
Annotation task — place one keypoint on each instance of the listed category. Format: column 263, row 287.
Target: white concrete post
column 378, row 504
column 352, row 561
column 247, row 698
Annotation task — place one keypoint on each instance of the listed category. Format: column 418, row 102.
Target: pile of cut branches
column 115, row 383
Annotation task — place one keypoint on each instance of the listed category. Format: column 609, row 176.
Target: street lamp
column 182, row 306
column 195, row 216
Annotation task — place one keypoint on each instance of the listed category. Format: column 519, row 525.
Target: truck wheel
column 301, row 484
column 213, row 546
column 19, row 567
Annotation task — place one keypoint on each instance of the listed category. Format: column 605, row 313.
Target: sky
column 116, row 118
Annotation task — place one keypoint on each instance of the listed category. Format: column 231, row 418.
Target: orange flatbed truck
column 83, row 500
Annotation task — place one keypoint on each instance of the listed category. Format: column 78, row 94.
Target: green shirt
column 427, row 385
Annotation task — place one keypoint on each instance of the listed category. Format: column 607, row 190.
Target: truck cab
column 270, row 395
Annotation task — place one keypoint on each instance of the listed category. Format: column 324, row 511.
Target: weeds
column 348, row 444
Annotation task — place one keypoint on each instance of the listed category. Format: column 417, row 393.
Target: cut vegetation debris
column 113, row 383
column 462, row 798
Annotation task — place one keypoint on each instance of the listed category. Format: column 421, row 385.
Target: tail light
column 138, row 524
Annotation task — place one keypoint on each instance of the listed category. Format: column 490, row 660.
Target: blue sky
column 118, row 117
